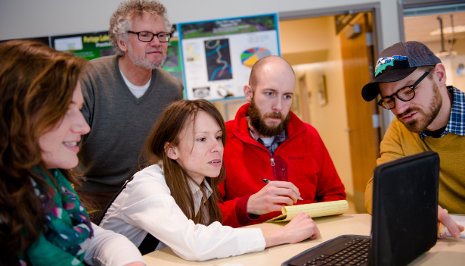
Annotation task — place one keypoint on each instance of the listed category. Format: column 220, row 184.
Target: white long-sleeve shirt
column 109, row 248
column 146, row 205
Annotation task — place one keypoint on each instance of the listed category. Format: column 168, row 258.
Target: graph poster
column 217, row 55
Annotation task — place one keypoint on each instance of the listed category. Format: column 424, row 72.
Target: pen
column 268, row 181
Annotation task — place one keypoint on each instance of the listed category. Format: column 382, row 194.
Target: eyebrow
column 269, row 89
column 396, row 89
column 411, row 81
column 199, row 132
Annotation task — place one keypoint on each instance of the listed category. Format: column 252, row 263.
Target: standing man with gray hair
column 124, row 94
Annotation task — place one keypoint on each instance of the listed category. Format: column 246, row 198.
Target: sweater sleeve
column 88, row 94
column 390, row 149
column 234, row 211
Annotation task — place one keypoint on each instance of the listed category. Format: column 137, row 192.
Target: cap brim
column 371, row 89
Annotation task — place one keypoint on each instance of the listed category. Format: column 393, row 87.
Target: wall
column 451, row 61
column 29, row 18
column 320, row 48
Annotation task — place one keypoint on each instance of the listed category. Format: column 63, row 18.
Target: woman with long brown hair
column 173, row 201
column 42, row 221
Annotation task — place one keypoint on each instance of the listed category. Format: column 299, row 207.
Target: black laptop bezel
column 422, row 219
column 429, row 162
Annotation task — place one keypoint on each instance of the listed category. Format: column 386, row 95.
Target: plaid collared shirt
column 456, row 124
column 278, row 139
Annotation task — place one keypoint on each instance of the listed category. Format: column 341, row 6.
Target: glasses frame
column 169, row 34
column 411, row 88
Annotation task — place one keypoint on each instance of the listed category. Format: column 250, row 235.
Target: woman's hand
column 300, row 228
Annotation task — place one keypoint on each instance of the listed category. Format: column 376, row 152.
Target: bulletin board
column 92, row 45
column 217, row 55
column 86, row 45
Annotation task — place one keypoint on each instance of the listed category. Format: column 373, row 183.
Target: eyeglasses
column 147, row 36
column 404, row 94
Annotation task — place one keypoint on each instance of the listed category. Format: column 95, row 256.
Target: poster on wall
column 217, row 55
column 86, row 45
column 173, row 64
column 97, row 44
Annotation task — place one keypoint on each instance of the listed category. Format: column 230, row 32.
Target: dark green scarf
column 67, row 225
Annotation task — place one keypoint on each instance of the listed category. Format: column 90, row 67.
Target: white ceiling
column 427, row 28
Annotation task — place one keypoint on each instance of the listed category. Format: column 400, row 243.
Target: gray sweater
column 119, row 122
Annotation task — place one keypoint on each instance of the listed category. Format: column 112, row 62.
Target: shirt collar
column 254, row 134
column 197, row 193
column 456, row 123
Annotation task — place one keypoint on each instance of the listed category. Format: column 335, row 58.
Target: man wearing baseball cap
column 411, row 82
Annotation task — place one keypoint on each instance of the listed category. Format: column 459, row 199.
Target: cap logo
column 384, row 62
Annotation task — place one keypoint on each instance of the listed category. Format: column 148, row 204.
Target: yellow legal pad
column 317, row 209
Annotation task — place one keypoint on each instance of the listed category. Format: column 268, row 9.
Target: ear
column 248, row 93
column 440, row 71
column 171, row 151
column 122, row 45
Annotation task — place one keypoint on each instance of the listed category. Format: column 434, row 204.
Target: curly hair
column 36, row 88
column 167, row 130
column 120, row 21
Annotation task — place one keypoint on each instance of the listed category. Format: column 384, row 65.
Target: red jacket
column 301, row 159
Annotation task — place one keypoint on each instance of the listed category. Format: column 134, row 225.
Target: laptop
column 404, row 219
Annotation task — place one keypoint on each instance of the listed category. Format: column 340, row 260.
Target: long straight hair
column 36, row 88
column 166, row 131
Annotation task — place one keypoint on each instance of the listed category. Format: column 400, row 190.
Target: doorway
column 332, row 63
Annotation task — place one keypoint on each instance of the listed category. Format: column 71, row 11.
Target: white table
column 445, row 252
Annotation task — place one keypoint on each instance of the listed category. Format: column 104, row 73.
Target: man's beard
column 144, row 62
column 259, row 125
column 427, row 116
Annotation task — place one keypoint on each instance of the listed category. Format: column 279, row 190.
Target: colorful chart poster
column 217, row 55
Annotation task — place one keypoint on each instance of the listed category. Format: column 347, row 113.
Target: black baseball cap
column 397, row 62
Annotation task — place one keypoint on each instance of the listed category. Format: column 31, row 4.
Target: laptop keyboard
column 343, row 250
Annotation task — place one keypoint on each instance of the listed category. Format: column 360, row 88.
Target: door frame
column 376, row 39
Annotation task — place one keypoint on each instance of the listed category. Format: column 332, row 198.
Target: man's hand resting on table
column 447, row 221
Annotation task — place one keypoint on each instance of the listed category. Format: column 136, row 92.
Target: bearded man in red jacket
column 271, row 157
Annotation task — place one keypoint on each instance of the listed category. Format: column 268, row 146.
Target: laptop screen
column 405, row 200
column 404, row 219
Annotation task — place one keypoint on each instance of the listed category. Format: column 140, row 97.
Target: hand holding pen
column 296, row 191
column 272, row 197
